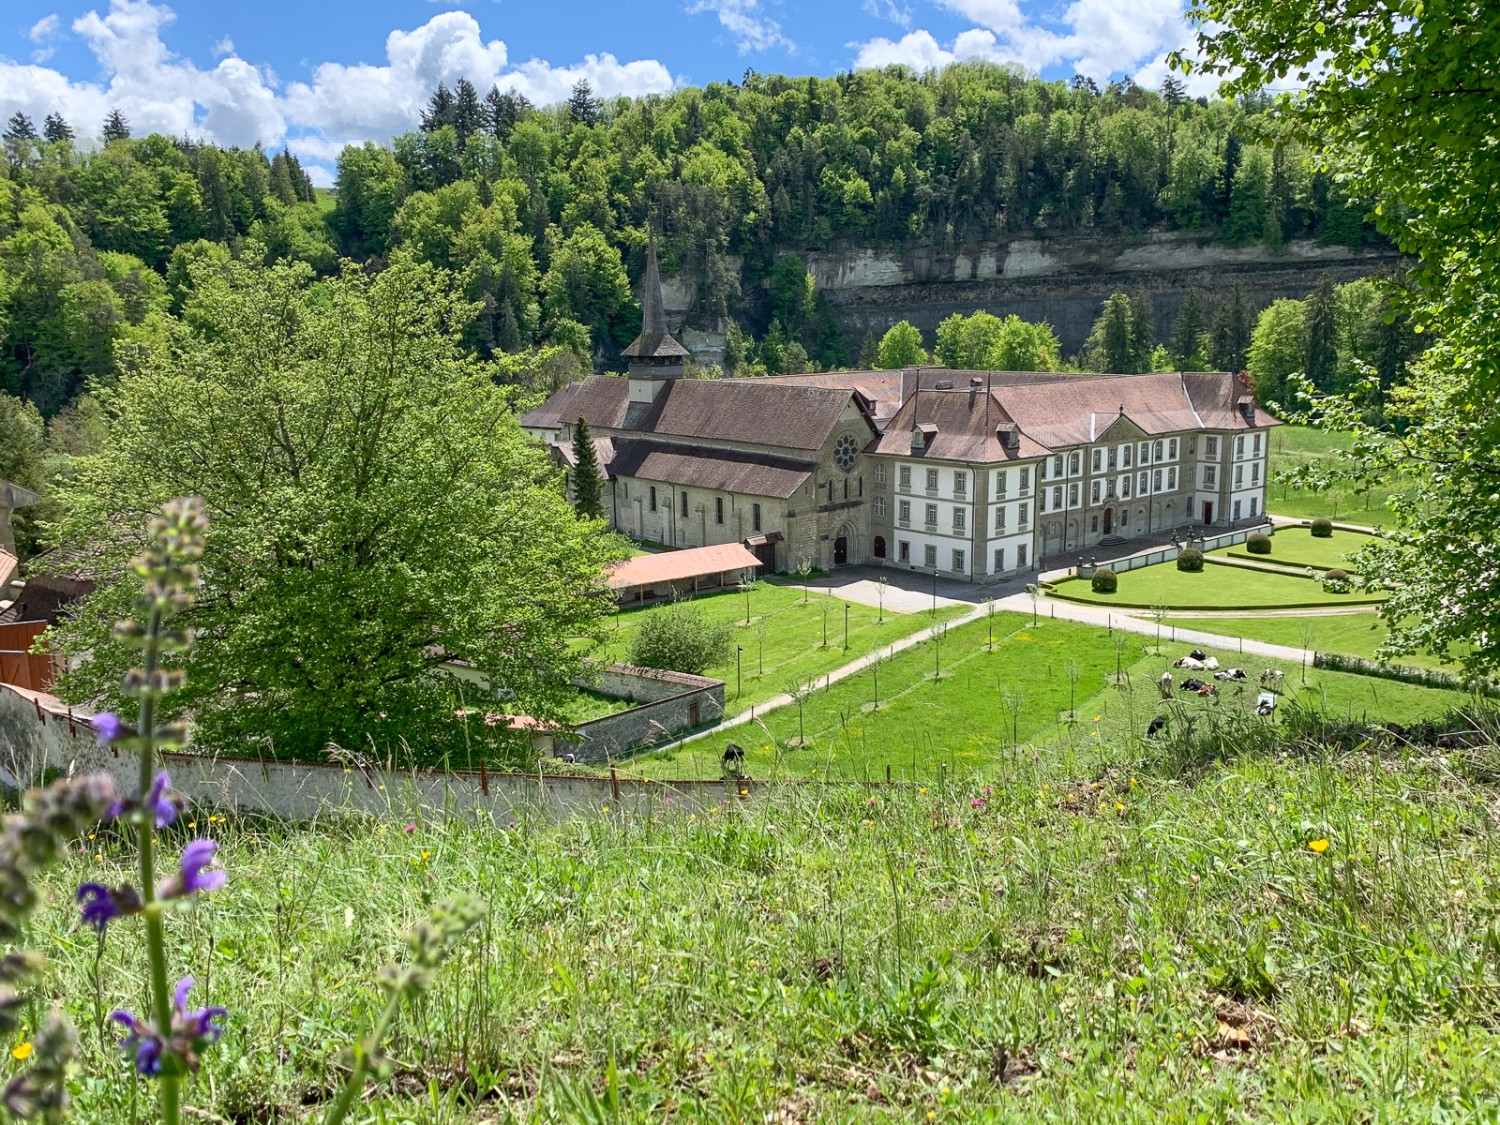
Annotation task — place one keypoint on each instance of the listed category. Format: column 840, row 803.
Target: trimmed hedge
column 1336, row 575
column 1190, row 560
column 1321, row 528
column 1424, row 677
column 1259, row 543
column 1104, row 581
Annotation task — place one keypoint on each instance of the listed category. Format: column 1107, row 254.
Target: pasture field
column 1214, row 587
column 1293, row 446
column 1356, row 634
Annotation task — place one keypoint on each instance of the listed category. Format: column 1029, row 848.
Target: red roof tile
column 680, row 566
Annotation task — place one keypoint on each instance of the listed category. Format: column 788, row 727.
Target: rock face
column 1063, row 281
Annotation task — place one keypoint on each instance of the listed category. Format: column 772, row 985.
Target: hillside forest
column 541, row 215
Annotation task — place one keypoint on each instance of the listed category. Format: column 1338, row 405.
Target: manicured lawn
column 783, row 641
column 1292, row 446
column 986, row 701
column 1215, row 587
column 1298, row 547
column 1357, row 634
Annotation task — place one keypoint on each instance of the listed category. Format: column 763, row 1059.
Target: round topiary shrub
column 1191, row 560
column 1105, row 581
column 1322, row 529
column 1337, row 581
column 1337, row 574
column 1258, row 544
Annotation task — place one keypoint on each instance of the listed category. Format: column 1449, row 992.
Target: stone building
column 974, row 475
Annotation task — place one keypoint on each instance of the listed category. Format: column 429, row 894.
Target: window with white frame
column 1125, row 455
column 1210, row 475
column 1098, row 460
column 960, row 483
column 929, row 555
column 1025, row 482
column 1239, row 475
column 958, row 561
column 1171, row 479
column 1072, row 496
column 932, row 480
column 903, row 511
column 932, row 514
column 1156, row 452
column 1156, row 480
column 1001, row 477
column 1140, row 485
column 1096, row 493
column 1172, row 449
column 1057, row 466
column 1255, row 472
column 1211, row 447
column 1023, row 514
column 879, row 507
column 903, row 551
column 879, row 473
column 1074, row 461
column 1000, row 518
column 1257, row 452
column 1239, row 446
column 905, row 476
column 1125, row 487
column 960, row 518
column 1057, row 497
column 1020, row 555
column 999, row 561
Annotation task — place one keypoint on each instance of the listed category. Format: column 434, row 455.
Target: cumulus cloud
column 223, row 47
column 1097, row 38
column 752, row 31
column 237, row 103
column 890, row 10
column 41, row 31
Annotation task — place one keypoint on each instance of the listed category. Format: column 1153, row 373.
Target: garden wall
column 675, row 702
column 1169, row 554
column 39, row 733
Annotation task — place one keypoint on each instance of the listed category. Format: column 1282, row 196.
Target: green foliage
column 586, row 283
column 901, row 346
column 1190, row 337
column 1322, row 528
column 1190, row 560
column 1278, row 350
column 587, row 484
column 984, row 342
column 1104, row 581
column 1259, row 543
column 1121, row 341
column 681, row 638
column 375, row 512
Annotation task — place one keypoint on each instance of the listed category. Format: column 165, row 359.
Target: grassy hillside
column 1294, row 446
column 1128, row 933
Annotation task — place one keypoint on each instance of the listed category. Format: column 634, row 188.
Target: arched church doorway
column 841, row 551
column 1109, row 520
column 880, row 546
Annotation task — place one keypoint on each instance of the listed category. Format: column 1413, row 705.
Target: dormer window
column 922, row 435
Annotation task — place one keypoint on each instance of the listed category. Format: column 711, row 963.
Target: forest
column 541, row 214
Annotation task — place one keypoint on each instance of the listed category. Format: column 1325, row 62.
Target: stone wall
column 39, row 733
column 671, row 702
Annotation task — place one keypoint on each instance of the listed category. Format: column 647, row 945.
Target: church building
column 977, row 475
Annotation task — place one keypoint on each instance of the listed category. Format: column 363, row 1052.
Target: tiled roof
column 9, row 564
column 680, row 566
column 970, row 425
column 600, row 400
column 1216, row 396
column 604, row 451
column 723, row 470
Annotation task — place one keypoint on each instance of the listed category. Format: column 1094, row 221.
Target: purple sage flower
column 140, row 1041
column 195, row 857
column 107, row 726
column 164, row 808
column 198, row 1024
column 98, row 904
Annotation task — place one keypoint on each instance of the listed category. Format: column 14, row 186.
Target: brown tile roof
column 604, row 452
column 600, row 400
column 679, row 566
column 963, row 425
column 724, row 470
column 1216, row 396
column 45, row 597
column 9, row 565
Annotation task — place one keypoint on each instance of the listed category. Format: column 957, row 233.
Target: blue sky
column 315, row 76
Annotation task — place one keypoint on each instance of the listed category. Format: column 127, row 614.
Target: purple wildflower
column 195, row 857
column 160, row 804
column 107, row 726
column 198, row 1024
column 141, row 1041
column 976, row 803
column 99, row 904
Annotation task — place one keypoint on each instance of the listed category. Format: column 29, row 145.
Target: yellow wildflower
column 21, row 1052
column 1320, row 845
column 426, row 855
column 605, row 809
column 1119, row 807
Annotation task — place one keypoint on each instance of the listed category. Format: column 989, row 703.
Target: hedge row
column 1424, row 677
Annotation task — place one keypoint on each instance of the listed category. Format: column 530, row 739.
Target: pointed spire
column 655, row 340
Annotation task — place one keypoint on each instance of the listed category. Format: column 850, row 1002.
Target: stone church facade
column 973, row 475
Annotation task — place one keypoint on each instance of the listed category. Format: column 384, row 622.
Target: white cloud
column 223, row 47
column 41, row 31
column 236, row 103
column 1097, row 38
column 752, row 30
column 890, row 10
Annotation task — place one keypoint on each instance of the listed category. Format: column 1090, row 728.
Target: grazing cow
column 1230, row 674
column 1211, row 663
column 570, row 759
column 1191, row 663
column 1271, row 679
column 1197, row 654
column 1165, row 685
column 1264, row 707
column 1208, row 689
column 1191, row 684
column 734, row 759
column 1156, row 726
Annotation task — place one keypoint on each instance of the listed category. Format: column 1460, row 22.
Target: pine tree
column 439, row 111
column 1322, row 336
column 116, row 127
column 1142, row 330
column 1229, row 346
column 281, row 180
column 20, row 128
column 1188, row 332
column 468, row 115
column 583, row 107
column 587, row 498
column 56, row 129
column 1112, row 345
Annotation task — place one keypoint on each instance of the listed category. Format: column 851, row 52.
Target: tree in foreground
column 901, row 346
column 1402, row 100
column 680, row 638
column 586, row 490
column 374, row 511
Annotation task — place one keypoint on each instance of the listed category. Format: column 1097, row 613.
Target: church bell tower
column 655, row 357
